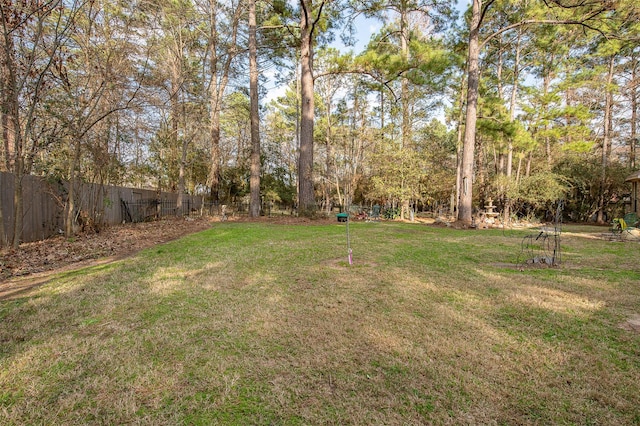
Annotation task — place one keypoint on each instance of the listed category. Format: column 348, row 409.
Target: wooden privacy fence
column 44, row 200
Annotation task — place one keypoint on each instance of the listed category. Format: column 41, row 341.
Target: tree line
column 526, row 102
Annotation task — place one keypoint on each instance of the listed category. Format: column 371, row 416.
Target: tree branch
column 484, row 12
column 40, row 7
column 305, row 12
column 550, row 22
column 315, row 22
column 363, row 72
column 574, row 6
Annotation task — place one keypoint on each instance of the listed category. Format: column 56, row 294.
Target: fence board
column 6, row 203
column 102, row 204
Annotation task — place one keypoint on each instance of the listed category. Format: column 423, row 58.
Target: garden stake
column 350, row 253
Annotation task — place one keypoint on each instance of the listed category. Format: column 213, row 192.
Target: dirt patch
column 343, row 263
column 632, row 324
column 37, row 260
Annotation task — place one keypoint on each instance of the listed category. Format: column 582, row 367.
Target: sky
column 366, row 27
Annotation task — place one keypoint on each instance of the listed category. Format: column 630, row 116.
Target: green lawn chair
column 620, row 229
column 631, row 219
column 375, row 214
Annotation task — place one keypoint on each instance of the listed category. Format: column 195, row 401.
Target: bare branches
column 361, row 72
column 47, row 7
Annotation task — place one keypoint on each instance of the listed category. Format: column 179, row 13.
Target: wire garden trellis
column 543, row 247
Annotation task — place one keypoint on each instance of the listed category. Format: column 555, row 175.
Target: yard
column 262, row 323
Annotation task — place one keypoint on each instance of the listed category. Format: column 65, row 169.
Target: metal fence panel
column 153, row 209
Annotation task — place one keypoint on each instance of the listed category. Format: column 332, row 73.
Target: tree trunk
column 8, row 136
column 306, row 196
column 465, row 208
column 404, row 82
column 176, row 139
column 481, row 164
column 606, row 143
column 214, row 107
column 217, row 87
column 355, row 152
column 18, row 168
column 3, row 234
column 11, row 133
column 519, row 169
column 73, row 182
column 382, row 112
column 338, row 190
column 329, row 163
column 547, row 140
column 214, row 133
column 5, row 164
column 9, row 98
column 500, row 157
column 18, row 202
column 404, row 85
column 513, row 103
column 569, row 94
column 512, row 115
column 634, row 114
column 456, row 200
column 254, row 183
column 181, row 176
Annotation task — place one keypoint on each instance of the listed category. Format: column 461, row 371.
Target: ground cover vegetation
column 260, row 323
column 439, row 110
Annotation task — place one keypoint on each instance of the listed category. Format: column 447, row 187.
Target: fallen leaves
column 118, row 241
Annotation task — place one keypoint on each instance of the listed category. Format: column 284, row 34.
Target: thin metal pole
column 349, row 252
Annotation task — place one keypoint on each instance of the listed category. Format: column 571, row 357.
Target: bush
column 391, row 213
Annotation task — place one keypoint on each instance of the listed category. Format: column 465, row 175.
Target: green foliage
column 496, row 129
column 129, row 84
column 583, row 172
column 275, row 188
column 533, row 194
column 437, row 145
column 398, row 176
column 542, row 188
column 234, row 183
column 426, row 64
column 391, row 213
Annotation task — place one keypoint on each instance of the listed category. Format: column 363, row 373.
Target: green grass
column 251, row 323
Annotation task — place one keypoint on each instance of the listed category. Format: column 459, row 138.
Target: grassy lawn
column 254, row 323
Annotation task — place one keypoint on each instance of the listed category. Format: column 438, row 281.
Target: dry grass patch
column 265, row 324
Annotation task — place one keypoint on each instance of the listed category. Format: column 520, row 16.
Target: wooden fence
column 43, row 214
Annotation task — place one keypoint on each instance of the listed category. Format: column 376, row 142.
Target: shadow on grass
column 262, row 324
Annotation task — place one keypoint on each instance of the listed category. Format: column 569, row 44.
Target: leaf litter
column 116, row 242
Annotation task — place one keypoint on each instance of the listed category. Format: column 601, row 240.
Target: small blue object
column 342, row 217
